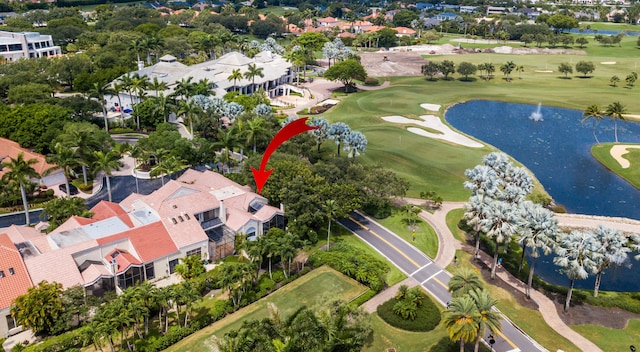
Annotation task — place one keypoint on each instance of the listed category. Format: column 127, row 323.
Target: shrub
column 370, row 81
column 118, row 130
column 63, row 342
column 266, row 284
column 220, row 309
column 363, row 298
column 172, row 336
column 318, row 109
column 278, row 276
column 427, row 316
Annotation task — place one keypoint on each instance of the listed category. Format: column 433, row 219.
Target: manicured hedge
column 427, row 318
column 64, row 342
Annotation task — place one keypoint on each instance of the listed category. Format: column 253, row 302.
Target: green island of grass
column 602, row 153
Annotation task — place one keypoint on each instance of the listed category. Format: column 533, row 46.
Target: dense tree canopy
column 346, row 72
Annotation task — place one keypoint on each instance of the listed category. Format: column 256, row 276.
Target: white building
column 24, row 45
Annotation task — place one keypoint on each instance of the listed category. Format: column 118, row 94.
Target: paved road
column 431, row 276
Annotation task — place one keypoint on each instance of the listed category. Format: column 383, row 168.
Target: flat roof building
column 25, row 45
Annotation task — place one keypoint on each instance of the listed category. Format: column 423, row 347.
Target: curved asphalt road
column 428, row 274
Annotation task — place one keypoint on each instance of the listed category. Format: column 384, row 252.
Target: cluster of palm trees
column 336, row 326
column 499, row 210
column 276, row 243
column 471, row 310
column 353, row 142
column 127, row 317
column 615, row 111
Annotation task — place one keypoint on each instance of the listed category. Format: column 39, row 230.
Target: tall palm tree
column 99, row 91
column 539, row 229
column 107, row 162
column 332, row 209
column 499, row 223
column 190, row 112
column 507, row 68
column 253, row 71
column 464, row 281
column 594, row 113
column 574, row 256
column 461, row 320
column 615, row 111
column 489, row 317
column 117, row 87
column 235, row 76
column 256, row 128
column 227, row 140
column 21, row 173
column 137, row 45
column 127, row 84
column 287, row 245
column 65, row 158
column 157, row 86
column 609, row 247
column 184, row 88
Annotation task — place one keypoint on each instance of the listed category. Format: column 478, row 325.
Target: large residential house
column 275, row 69
column 24, row 45
column 10, row 149
column 142, row 238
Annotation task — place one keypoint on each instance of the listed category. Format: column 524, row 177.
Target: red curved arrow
column 292, row 129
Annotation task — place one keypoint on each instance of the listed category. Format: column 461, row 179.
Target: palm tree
column 320, row 133
column 127, row 84
column 138, row 45
column 255, row 128
column 331, row 207
column 615, row 111
column 609, row 247
column 107, row 162
column 574, row 256
column 99, row 91
column 464, row 281
column 235, row 76
column 499, row 223
column 538, row 231
column 157, row 85
column 489, row 317
column 252, row 71
column 227, row 140
column 507, row 68
column 190, row 112
column 184, row 88
column 172, row 165
column 65, row 158
column 287, row 245
column 593, row 112
column 116, row 88
column 461, row 320
column 21, row 173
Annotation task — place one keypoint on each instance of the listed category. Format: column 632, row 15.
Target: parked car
column 72, row 188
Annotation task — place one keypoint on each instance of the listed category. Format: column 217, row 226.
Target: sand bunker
column 617, row 151
column 430, row 107
column 608, row 62
column 543, row 71
column 434, row 123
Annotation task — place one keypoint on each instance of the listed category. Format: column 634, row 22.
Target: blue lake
column 603, row 32
column 557, row 151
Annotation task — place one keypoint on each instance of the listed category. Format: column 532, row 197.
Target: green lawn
column 302, row 292
column 386, row 336
column 612, row 339
column 602, row 153
column 453, row 217
column 610, row 26
column 426, row 239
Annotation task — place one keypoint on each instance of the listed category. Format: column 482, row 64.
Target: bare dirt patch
column 398, row 63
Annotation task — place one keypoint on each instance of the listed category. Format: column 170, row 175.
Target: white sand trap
column 330, row 102
column 430, row 107
column 434, row 123
column 618, row 150
column 608, row 62
column 633, row 117
column 543, row 71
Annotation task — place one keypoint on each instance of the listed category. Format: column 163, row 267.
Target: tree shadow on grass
column 468, row 79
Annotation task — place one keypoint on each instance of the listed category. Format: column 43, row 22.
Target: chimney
column 223, row 212
column 282, row 207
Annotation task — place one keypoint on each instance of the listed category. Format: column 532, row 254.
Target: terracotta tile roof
column 150, row 242
column 346, row 35
column 14, row 278
column 327, row 20
column 19, row 234
column 94, row 272
column 11, row 149
column 105, row 210
column 123, row 258
column 58, row 265
column 404, row 30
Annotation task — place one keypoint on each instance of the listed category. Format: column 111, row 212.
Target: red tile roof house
column 10, row 149
column 142, row 238
column 14, row 281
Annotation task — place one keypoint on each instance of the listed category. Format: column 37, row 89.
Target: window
column 186, row 216
column 197, row 252
column 1, row 273
column 180, row 218
column 174, row 221
column 150, row 271
column 276, row 221
column 132, row 276
column 15, row 47
column 11, row 322
column 11, row 271
column 172, row 266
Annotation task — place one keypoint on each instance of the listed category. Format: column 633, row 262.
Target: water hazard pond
column 557, row 151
